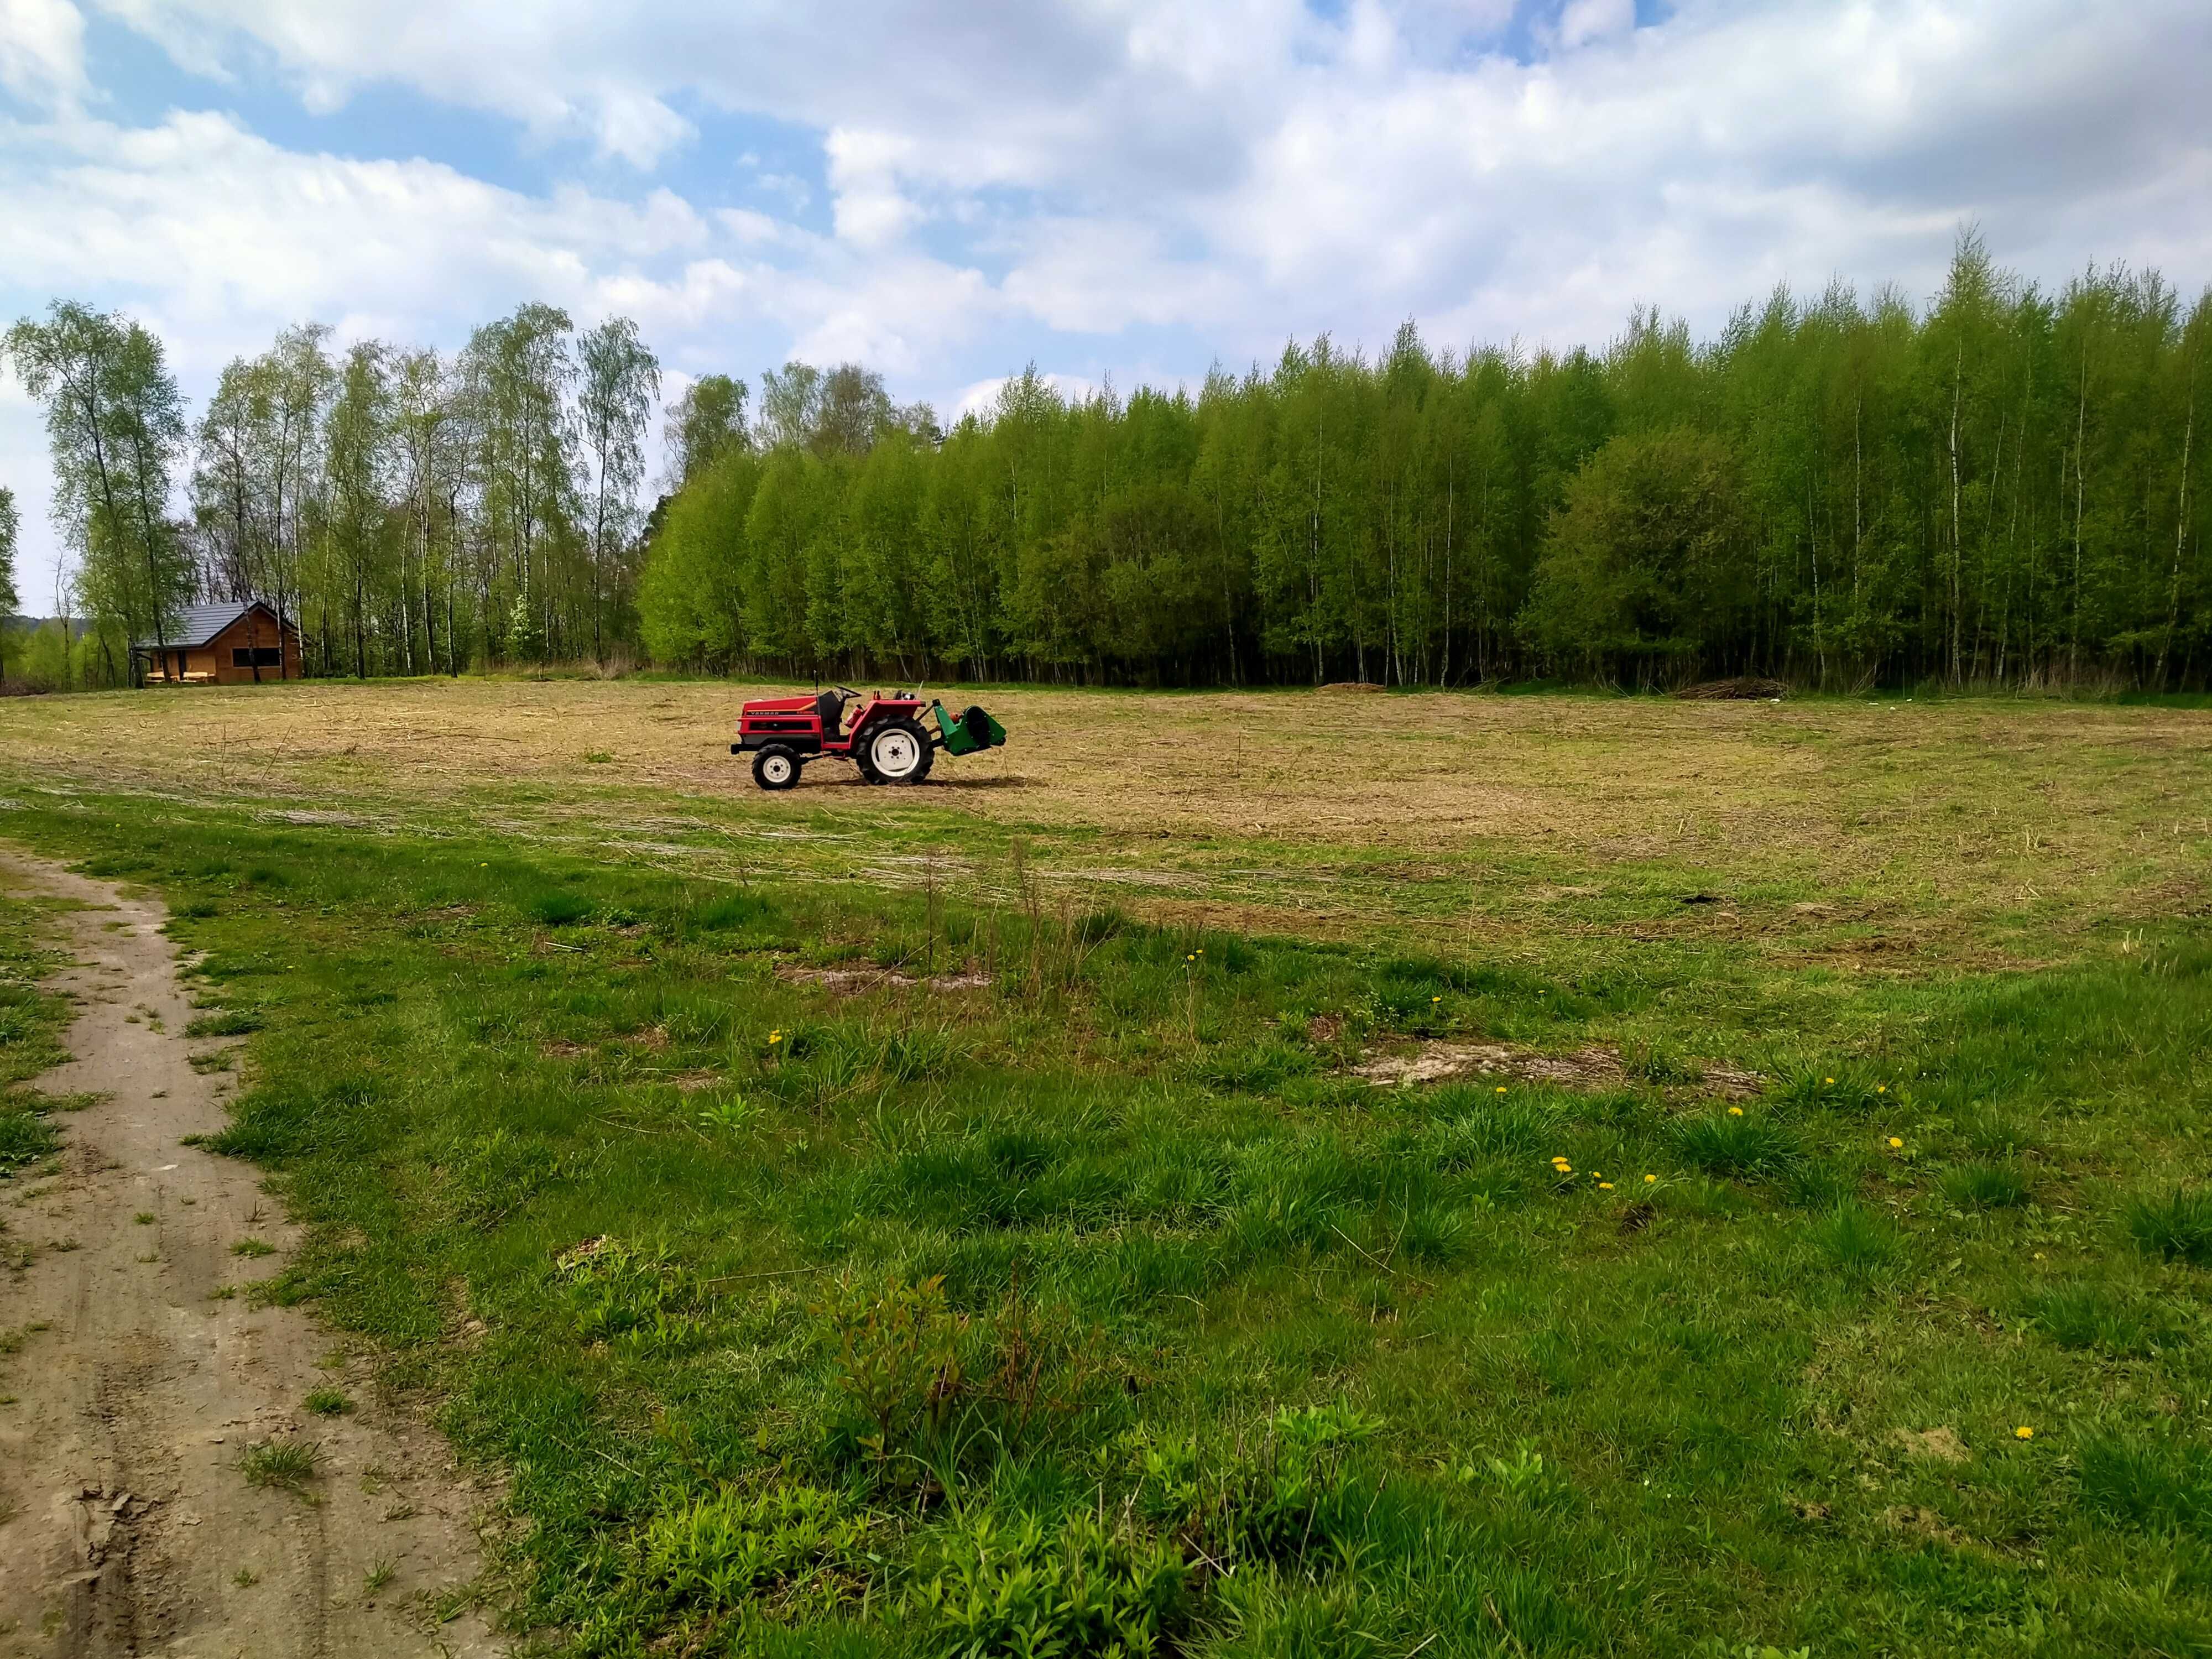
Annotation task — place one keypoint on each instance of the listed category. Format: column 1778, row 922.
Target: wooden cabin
column 235, row 644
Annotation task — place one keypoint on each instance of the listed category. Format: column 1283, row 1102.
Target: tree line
column 411, row 512
column 2002, row 487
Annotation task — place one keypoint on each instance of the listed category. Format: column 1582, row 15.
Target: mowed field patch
column 1860, row 830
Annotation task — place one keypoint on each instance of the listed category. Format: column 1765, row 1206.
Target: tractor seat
column 831, row 708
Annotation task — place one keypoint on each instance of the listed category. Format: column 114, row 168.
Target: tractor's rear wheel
column 898, row 751
column 776, row 767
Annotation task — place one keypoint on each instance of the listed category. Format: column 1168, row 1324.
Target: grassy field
column 961, row 1221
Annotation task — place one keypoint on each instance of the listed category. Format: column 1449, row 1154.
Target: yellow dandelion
column 1597, row 1175
column 2023, row 1432
column 1735, row 1111
column 1828, row 1079
column 1501, row 1088
column 1436, row 999
column 1650, row 1178
column 775, row 1037
column 1606, row 1186
column 1881, row 1088
column 1894, row 1141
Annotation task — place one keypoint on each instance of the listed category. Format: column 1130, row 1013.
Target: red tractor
column 892, row 736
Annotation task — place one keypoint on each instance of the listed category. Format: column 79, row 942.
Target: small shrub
column 2178, row 1227
column 1986, row 1186
column 898, row 1357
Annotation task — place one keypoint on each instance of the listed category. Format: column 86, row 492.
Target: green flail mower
column 891, row 735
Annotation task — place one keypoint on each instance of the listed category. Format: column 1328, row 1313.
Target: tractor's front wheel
column 898, row 751
column 776, row 768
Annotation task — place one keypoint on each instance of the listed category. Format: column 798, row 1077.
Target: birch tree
column 618, row 384
column 115, row 423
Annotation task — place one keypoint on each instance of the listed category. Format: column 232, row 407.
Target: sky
column 1122, row 190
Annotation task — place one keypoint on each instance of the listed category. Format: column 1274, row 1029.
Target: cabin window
column 257, row 656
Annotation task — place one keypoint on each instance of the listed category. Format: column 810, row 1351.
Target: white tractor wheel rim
column 895, row 753
column 777, row 768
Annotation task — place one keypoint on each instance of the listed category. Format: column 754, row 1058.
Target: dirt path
column 140, row 1376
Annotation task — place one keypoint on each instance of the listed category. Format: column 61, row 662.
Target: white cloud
column 42, row 50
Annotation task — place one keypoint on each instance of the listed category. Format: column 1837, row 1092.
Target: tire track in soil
column 125, row 1525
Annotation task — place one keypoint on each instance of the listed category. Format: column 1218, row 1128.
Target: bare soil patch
column 147, row 1375
column 853, row 980
column 1592, row 1069
column 1942, row 1443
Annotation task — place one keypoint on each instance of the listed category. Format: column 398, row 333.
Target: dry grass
column 1879, row 832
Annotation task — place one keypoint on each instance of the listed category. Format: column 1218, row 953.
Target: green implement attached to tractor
column 963, row 734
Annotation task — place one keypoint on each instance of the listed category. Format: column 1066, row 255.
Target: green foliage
column 1793, row 498
column 898, row 1358
column 986, row 1587
column 789, row 1549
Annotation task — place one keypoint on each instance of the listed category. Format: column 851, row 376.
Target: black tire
column 897, row 751
column 776, row 767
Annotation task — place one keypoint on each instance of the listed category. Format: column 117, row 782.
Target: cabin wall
column 215, row 664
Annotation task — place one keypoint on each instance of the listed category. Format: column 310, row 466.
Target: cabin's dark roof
column 197, row 624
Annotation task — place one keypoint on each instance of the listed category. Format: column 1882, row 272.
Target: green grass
column 288, row 1464
column 31, row 1021
column 1099, row 1304
column 328, row 1402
